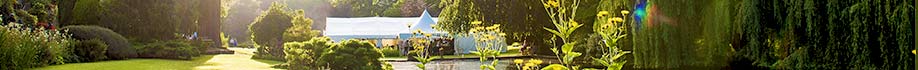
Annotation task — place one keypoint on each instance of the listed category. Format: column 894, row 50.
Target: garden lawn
column 206, row 62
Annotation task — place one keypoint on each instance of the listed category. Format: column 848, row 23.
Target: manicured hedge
column 118, row 46
column 175, row 49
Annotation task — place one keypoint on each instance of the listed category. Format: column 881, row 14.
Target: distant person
column 233, row 42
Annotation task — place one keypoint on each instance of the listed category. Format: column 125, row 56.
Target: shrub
column 277, row 26
column 118, row 46
column 267, row 32
column 305, row 55
column 360, row 55
column 88, row 51
column 22, row 48
column 321, row 53
column 390, row 52
column 301, row 29
column 176, row 49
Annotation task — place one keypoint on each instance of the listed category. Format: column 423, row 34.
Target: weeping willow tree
column 672, row 34
column 775, row 34
column 832, row 34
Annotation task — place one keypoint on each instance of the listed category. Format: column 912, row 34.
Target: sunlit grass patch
column 239, row 61
column 134, row 64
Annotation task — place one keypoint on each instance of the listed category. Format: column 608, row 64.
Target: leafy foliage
column 306, row 55
column 865, row 34
column 301, row 29
column 488, row 39
column 421, row 48
column 390, row 52
column 175, row 49
column 88, row 51
column 22, row 47
column 361, row 55
column 138, row 20
column 564, row 26
column 395, row 9
column 276, row 26
column 118, row 46
column 365, row 8
column 556, row 67
column 456, row 15
column 413, row 7
column 612, row 30
column 322, row 53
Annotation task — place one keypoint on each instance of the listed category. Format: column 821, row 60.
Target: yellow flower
column 491, row 28
column 618, row 19
column 536, row 61
column 529, row 64
column 913, row 51
column 554, row 3
column 428, row 35
column 471, row 31
column 480, row 28
column 518, row 61
column 625, row 12
column 490, row 37
column 602, row 13
column 476, row 22
column 502, row 34
column 574, row 23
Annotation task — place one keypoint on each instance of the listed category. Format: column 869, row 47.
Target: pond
column 456, row 64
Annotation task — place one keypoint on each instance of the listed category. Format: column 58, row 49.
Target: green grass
column 134, row 64
column 239, row 61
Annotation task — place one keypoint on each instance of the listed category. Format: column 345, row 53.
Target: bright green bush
column 22, row 47
column 305, row 55
column 88, row 51
column 390, row 52
column 118, row 46
column 301, row 29
column 272, row 29
column 321, row 53
column 360, row 55
column 176, row 49
column 267, row 32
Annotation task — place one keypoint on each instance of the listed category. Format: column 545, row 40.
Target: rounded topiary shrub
column 359, row 55
column 88, row 51
column 118, row 46
column 305, row 55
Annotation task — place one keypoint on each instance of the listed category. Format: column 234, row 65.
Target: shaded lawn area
column 205, row 62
